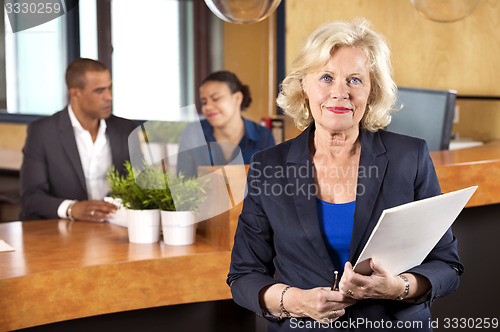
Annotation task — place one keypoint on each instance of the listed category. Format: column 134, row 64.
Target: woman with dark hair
column 227, row 137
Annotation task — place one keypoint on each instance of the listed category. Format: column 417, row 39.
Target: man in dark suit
column 67, row 155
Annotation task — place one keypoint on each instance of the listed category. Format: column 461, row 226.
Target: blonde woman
column 313, row 201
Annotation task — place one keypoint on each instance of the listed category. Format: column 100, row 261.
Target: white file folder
column 405, row 234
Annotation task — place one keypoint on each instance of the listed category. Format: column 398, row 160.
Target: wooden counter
column 480, row 165
column 63, row 270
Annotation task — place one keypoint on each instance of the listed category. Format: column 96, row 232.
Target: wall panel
column 12, row 136
column 461, row 55
column 249, row 53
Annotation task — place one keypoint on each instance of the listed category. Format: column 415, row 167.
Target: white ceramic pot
column 179, row 227
column 143, row 226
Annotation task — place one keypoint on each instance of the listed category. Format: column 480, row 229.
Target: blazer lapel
column 68, row 141
column 305, row 195
column 372, row 168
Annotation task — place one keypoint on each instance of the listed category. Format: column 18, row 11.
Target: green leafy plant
column 182, row 194
column 132, row 195
column 153, row 189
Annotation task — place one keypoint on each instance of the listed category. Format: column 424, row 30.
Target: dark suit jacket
column 278, row 237
column 52, row 171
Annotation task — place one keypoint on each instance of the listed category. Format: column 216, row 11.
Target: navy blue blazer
column 52, row 170
column 278, row 237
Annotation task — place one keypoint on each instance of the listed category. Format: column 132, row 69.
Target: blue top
column 195, row 150
column 336, row 222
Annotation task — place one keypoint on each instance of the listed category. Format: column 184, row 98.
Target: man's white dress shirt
column 95, row 158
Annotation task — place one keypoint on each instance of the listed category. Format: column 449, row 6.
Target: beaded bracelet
column 407, row 288
column 283, row 312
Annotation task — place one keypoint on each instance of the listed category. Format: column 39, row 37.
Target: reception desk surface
column 63, row 270
column 480, row 165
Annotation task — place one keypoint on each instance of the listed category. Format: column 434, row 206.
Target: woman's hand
column 379, row 285
column 320, row 303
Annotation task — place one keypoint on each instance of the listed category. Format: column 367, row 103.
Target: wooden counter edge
column 458, row 169
column 109, row 288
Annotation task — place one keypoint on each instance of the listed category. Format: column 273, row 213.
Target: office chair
column 427, row 114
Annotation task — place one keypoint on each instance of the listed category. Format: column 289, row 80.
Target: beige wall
column 479, row 119
column 250, row 53
column 462, row 55
column 12, row 136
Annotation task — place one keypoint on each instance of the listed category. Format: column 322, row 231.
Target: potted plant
column 142, row 210
column 178, row 204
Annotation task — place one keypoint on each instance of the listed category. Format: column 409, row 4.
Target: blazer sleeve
column 252, row 257
column 442, row 267
column 36, row 201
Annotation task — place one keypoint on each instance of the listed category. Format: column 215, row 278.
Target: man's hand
column 95, row 211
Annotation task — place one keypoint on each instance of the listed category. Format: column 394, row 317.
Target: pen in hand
column 335, row 286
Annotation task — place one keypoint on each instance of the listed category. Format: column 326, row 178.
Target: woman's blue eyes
column 350, row 80
column 326, row 78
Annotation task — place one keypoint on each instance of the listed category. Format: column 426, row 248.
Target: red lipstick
column 339, row 110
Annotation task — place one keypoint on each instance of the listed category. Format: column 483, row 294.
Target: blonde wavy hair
column 318, row 50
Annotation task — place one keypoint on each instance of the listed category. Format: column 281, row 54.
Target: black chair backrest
column 427, row 114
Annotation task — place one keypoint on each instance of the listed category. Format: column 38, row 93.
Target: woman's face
column 219, row 105
column 338, row 92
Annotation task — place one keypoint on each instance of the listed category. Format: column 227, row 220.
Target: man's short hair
column 75, row 73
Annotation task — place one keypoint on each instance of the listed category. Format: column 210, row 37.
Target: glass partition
column 152, row 60
column 35, row 61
